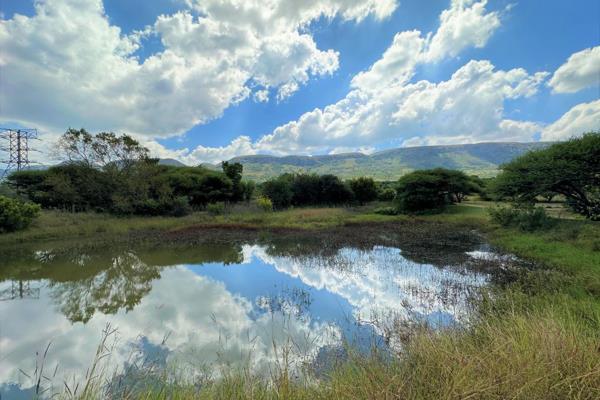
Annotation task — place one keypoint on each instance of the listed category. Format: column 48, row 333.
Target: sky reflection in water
column 240, row 306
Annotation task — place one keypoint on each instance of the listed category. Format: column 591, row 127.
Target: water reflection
column 193, row 311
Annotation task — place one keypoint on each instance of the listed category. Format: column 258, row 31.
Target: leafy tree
column 306, row 189
column 200, row 185
column 16, row 215
column 334, row 191
column 279, row 191
column 105, row 149
column 29, row 183
column 458, row 184
column 248, row 188
column 234, row 172
column 365, row 189
column 569, row 168
column 420, row 191
column 432, row 189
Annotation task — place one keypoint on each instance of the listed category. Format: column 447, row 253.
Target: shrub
column 524, row 217
column 365, row 189
column 386, row 211
column 179, row 207
column 279, row 191
column 215, row 208
column 264, row 203
column 333, row 191
column 16, row 215
column 387, row 194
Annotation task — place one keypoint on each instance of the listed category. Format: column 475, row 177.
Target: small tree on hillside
column 570, row 168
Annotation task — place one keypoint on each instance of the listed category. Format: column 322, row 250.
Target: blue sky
column 206, row 125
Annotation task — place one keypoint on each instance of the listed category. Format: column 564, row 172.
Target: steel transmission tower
column 16, row 144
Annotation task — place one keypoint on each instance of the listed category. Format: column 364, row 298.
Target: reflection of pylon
column 19, row 290
column 16, row 145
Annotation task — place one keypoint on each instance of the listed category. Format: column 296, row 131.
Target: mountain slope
column 482, row 159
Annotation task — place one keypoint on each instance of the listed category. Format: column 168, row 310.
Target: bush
column 306, row 190
column 386, row 211
column 279, row 191
column 387, row 194
column 264, row 203
column 16, row 215
column 365, row 189
column 215, row 208
column 525, row 217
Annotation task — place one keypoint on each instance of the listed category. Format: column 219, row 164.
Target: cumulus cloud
column 384, row 105
column 466, row 23
column 67, row 65
column 467, row 108
column 584, row 117
column 580, row 71
column 397, row 64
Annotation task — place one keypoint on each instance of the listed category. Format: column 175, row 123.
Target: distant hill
column 171, row 162
column 481, row 159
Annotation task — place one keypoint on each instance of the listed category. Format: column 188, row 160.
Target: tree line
column 111, row 173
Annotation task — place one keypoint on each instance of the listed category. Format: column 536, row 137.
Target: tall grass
column 544, row 354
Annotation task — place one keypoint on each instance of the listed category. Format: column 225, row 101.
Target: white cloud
column 580, row 71
column 68, row 66
column 466, row 23
column 468, row 107
column 582, row 118
column 383, row 105
column 396, row 66
column 222, row 329
column 261, row 96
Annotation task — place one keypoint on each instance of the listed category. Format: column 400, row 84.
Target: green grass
column 55, row 225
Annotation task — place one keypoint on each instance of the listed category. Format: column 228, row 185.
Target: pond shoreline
column 539, row 325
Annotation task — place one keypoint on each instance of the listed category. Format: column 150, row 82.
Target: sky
column 208, row 80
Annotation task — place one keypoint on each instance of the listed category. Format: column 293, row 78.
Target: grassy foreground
column 536, row 336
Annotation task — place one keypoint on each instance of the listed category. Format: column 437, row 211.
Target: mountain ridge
column 481, row 159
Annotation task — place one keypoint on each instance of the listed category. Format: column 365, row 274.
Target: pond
column 197, row 310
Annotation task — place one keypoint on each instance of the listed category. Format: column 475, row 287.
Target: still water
column 195, row 310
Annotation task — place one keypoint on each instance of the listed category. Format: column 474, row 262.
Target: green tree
column 570, row 169
column 200, row 185
column 105, row 149
column 364, row 189
column 421, row 191
column 333, row 191
column 234, row 172
column 433, row 189
column 279, row 191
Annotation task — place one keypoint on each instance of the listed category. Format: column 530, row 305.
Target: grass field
column 536, row 336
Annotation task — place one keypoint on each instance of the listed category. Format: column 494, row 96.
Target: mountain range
column 482, row 159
